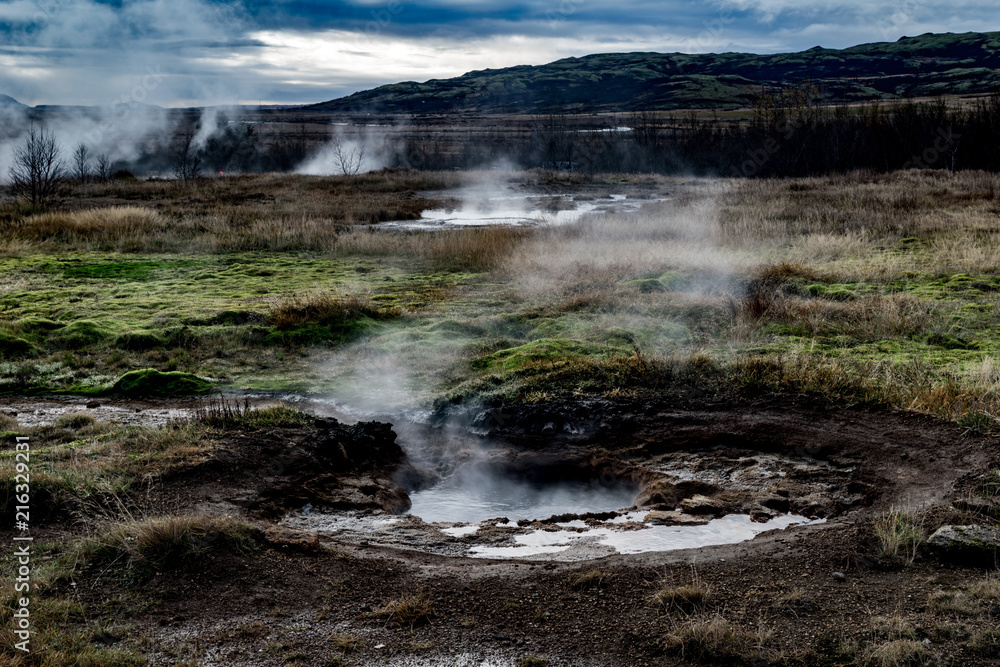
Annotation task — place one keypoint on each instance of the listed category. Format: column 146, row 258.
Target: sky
column 208, row 52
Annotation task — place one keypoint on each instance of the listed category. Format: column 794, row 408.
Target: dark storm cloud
column 214, row 51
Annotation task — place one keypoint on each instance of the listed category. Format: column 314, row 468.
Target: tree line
column 786, row 134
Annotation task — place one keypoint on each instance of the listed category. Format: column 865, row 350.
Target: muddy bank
column 813, row 588
column 762, row 465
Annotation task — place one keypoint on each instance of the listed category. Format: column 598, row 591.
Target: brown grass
column 323, row 308
column 274, row 213
column 899, row 534
column 687, row 598
column 898, row 653
column 169, row 542
column 587, row 579
column 717, row 640
column 409, row 610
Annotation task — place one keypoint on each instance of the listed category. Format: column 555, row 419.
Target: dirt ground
column 290, row 604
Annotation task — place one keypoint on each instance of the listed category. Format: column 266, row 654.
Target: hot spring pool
column 455, row 501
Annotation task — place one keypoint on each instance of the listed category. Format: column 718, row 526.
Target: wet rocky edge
column 691, row 463
column 687, row 465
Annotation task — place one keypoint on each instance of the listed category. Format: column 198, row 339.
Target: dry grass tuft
column 899, row 534
column 324, row 309
column 169, row 542
column 345, row 643
column 409, row 611
column 899, row 653
column 687, row 598
column 533, row 661
column 588, row 579
column 893, row 627
column 717, row 640
column 980, row 598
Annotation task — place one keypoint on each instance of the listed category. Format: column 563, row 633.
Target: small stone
column 904, row 455
column 840, row 576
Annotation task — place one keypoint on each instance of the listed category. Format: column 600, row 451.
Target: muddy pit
column 556, row 484
column 551, row 498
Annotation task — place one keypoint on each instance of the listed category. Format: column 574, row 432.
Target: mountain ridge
column 926, row 65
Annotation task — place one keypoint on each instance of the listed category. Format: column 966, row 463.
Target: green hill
column 931, row 64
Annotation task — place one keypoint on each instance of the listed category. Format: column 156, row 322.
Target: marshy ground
column 822, row 346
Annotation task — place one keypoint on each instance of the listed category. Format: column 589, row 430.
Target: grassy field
column 862, row 288
column 880, row 288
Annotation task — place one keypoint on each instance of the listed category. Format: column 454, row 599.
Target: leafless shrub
column 37, row 167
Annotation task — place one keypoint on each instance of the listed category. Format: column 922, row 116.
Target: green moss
column 835, row 292
column 951, row 342
column 138, row 341
column 37, row 326
column 151, row 382
column 81, row 334
column 545, row 350
column 12, row 347
column 125, row 271
column 647, row 285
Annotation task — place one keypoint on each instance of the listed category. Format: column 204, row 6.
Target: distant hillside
column 931, row 64
column 6, row 101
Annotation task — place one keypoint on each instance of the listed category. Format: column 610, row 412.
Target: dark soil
column 281, row 606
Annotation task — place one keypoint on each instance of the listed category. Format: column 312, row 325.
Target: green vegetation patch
column 12, row 347
column 124, row 270
column 151, row 382
column 544, row 351
column 233, row 415
column 81, row 334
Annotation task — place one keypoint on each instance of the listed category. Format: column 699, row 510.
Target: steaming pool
column 461, row 502
column 517, row 210
column 479, row 516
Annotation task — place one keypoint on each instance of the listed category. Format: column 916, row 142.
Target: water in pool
column 455, row 501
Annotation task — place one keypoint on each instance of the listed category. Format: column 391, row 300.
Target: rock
column 762, row 515
column 673, row 518
column 658, row 493
column 775, row 502
column 392, row 498
column 840, row 576
column 699, row 504
column 970, row 544
column 282, row 537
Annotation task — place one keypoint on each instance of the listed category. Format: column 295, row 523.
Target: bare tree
column 187, row 162
column 103, row 170
column 81, row 163
column 37, row 167
column 347, row 161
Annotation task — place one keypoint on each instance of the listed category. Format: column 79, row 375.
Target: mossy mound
column 30, row 326
column 138, row 341
column 81, row 334
column 544, row 350
column 12, row 347
column 151, row 382
column 951, row 342
column 647, row 285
